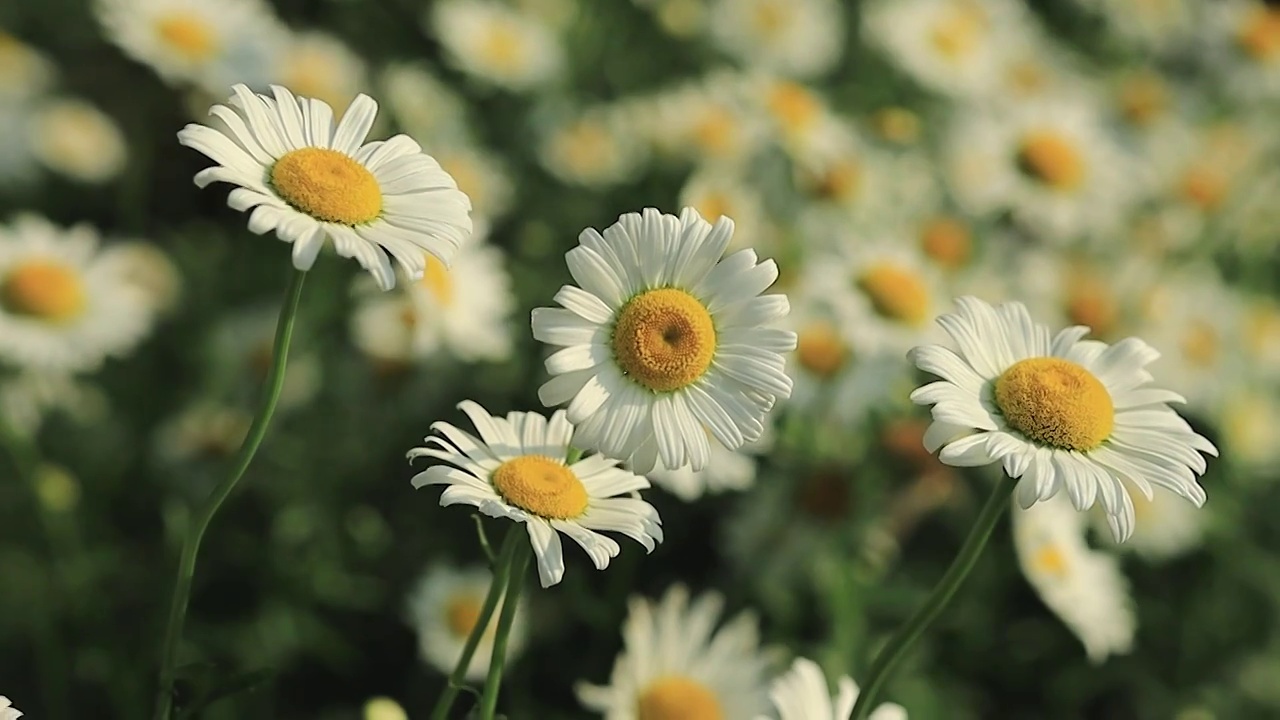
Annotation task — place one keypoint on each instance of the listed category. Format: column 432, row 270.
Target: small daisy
column 61, row 306
column 726, row 470
column 481, row 176
column 25, row 72
column 676, row 664
column 1083, row 587
column 210, row 43
column 7, row 711
column 798, row 114
column 1058, row 412
column 947, row 240
column 663, row 337
column 239, row 354
column 310, row 181
column 593, row 149
column 76, row 139
column 715, row 192
column 423, row 105
column 802, row 694
column 800, row 38
column 497, row 43
column 444, row 606
column 707, row 120
column 517, row 470
column 319, row 65
column 1103, row 293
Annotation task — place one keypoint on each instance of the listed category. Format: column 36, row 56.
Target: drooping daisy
column 444, row 607
column 675, row 663
column 662, row 337
column 209, row 43
column 310, row 181
column 76, row 139
column 497, row 43
column 7, row 711
column 1060, row 413
column 802, row 694
column 319, row 65
column 25, row 72
column 1082, row 586
column 594, row 148
column 61, row 307
column 800, row 38
column 517, row 470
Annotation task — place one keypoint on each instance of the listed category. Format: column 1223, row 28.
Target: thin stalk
column 514, row 540
column 908, row 634
column 196, row 530
column 515, row 582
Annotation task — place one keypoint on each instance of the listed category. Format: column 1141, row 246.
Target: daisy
column 802, row 694
column 319, row 65
column 62, row 307
column 7, row 711
column 76, row 139
column 444, row 606
column 1058, row 412
column 1243, row 38
column 707, row 120
column 310, row 181
column 594, row 148
column 1083, row 587
column 662, row 337
column 675, row 663
column 798, row 114
column 800, row 38
column 423, row 105
column 947, row 240
column 1249, row 421
column 25, row 72
column 497, row 43
column 1104, row 293
column 517, row 469
column 210, row 43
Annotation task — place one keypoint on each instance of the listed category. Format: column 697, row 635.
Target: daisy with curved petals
column 310, row 181
column 1058, row 412
column 801, row 694
column 516, row 469
column 662, row 337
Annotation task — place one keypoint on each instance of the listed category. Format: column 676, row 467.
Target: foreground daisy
column 310, row 181
column 801, row 694
column 517, row 470
column 445, row 606
column 1058, row 412
column 662, row 338
column 676, row 664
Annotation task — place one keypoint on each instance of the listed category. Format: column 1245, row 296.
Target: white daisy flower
column 802, row 694
column 1059, row 412
column 76, row 139
column 1082, row 586
column 423, row 105
column 801, row 38
column 517, row 470
column 1105, row 294
column 211, row 43
column 662, row 337
column 62, row 307
column 946, row 240
column 596, row 148
column 707, row 120
column 7, row 711
column 798, row 114
column 310, row 181
column 726, row 470
column 444, row 606
column 319, row 65
column 25, row 72
column 498, row 43
column 676, row 664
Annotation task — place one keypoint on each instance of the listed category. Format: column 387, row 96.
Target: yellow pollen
column 1050, row 560
column 461, row 615
column 959, row 33
column 1204, row 187
column 1200, row 344
column 44, row 290
column 438, row 281
column 327, row 185
column 897, row 124
column 1052, row 159
column 501, row 47
column 678, row 698
column 1056, row 402
column 664, row 339
column 187, row 33
column 793, row 105
column 821, row 351
column 896, row 293
column 1260, row 34
column 1143, row 99
column 716, row 132
column 541, row 486
column 947, row 241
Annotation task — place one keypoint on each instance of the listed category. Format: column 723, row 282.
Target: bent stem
column 196, row 530
column 513, row 541
column 514, row 582
column 907, row 635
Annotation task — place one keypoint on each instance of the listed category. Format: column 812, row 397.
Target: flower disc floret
column 678, row 698
column 188, row 34
column 44, row 290
column 1051, row 158
column 1056, row 402
column 541, row 486
column 664, row 339
column 327, row 185
column 896, row 293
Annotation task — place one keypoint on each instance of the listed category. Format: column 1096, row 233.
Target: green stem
column 515, row 582
column 196, row 530
column 907, row 635
column 514, row 540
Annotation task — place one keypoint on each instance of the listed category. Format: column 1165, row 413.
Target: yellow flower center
column 793, row 105
column 1050, row 560
column 44, row 290
column 947, row 241
column 678, row 698
column 897, row 124
column 1260, row 34
column 502, row 46
column 716, row 131
column 821, row 351
column 585, row 146
column 896, row 293
column 461, row 615
column 1052, row 159
column 1204, row 187
column 840, row 181
column 1091, row 304
column 1056, row 402
column 1143, row 99
column 188, row 34
column 1200, row 344
column 664, row 339
column 438, row 281
column 958, row 33
column 327, row 185
column 1029, row 76
column 542, row 486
